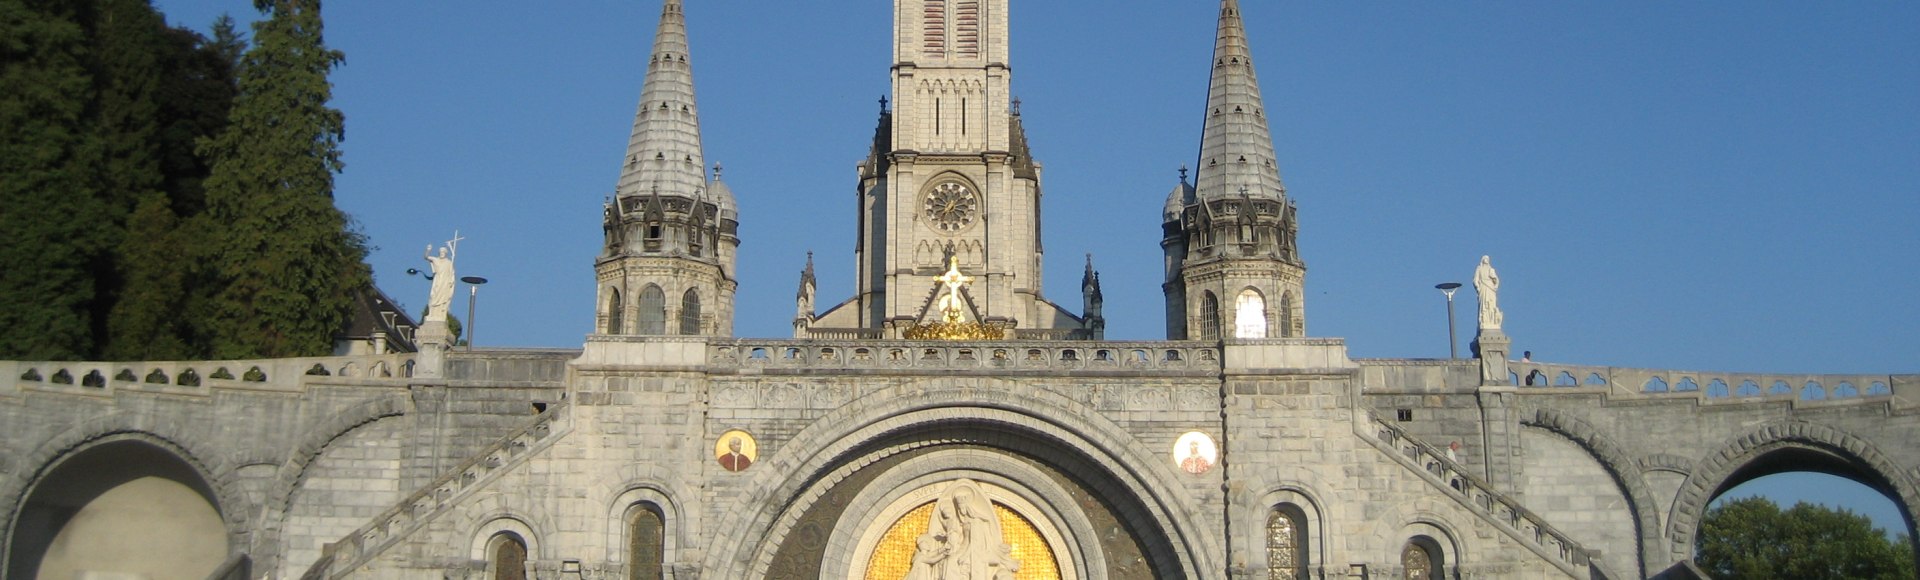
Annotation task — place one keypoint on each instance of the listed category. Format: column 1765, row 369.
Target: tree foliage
column 140, row 226
column 283, row 257
column 1753, row 538
column 50, row 203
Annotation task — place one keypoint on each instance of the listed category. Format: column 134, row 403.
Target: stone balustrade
column 339, row 559
column 198, row 377
column 996, row 356
column 1480, row 497
column 844, row 333
column 1710, row 387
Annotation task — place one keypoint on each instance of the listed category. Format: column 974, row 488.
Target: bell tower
column 950, row 175
column 1233, row 267
column 667, row 266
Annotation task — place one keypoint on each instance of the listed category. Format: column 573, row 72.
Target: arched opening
column 1422, row 559
column 121, row 508
column 1209, row 316
column 615, row 315
column 1789, row 473
column 507, row 557
column 851, row 505
column 690, row 312
column 653, row 310
column 1249, row 315
column 646, row 542
column 1287, row 555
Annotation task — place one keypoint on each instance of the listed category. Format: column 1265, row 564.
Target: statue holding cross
column 440, row 296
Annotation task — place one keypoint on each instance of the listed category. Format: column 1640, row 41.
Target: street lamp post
column 1447, row 288
column 473, row 296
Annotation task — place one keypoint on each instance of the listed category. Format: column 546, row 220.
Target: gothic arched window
column 1286, row 543
column 690, row 312
column 1422, row 559
column 646, row 543
column 1209, row 316
column 1249, row 315
column 508, row 557
column 614, row 311
column 653, row 310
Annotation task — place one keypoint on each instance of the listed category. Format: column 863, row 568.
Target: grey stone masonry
column 347, row 475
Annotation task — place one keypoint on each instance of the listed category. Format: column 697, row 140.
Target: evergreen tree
column 49, row 203
column 194, row 90
column 1753, row 538
column 283, row 257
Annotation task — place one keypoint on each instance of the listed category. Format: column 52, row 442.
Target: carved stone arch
column 663, row 488
column 1315, row 511
column 1733, row 462
column 316, row 439
column 1666, row 462
column 1132, row 471
column 1618, row 463
column 506, row 522
column 1424, row 523
column 229, row 500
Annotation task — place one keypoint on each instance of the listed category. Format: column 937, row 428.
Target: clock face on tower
column 951, row 207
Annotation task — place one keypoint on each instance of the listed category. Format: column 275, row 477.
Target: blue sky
column 1695, row 185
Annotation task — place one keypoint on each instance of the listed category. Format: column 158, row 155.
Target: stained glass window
column 1417, row 561
column 1285, row 538
column 690, row 312
column 1209, row 317
column 646, row 544
column 509, row 558
column 653, row 310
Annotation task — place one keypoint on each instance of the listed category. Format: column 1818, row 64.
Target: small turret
column 803, row 305
column 1090, row 298
column 1233, row 269
column 671, row 234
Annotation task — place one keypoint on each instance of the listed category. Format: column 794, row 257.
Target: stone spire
column 664, row 153
column 1236, row 149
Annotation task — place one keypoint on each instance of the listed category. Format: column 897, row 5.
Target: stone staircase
column 342, row 558
column 1504, row 513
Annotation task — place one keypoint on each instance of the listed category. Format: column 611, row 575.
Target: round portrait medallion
column 1195, row 453
column 736, row 450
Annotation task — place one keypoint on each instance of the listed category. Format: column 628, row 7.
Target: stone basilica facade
column 945, row 422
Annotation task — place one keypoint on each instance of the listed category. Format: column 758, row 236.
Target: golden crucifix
column 950, row 305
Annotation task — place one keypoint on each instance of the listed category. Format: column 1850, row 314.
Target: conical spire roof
column 664, row 153
column 1236, row 149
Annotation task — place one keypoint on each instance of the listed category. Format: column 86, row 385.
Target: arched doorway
column 120, row 507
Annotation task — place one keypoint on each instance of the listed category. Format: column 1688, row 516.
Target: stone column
column 1501, row 430
column 1493, row 347
column 434, row 341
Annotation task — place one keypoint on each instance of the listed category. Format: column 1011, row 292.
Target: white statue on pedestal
column 1486, row 283
column 441, row 295
column 963, row 540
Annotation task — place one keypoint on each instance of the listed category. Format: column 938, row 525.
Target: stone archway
column 1779, row 447
column 1626, row 473
column 120, row 503
column 1029, row 424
